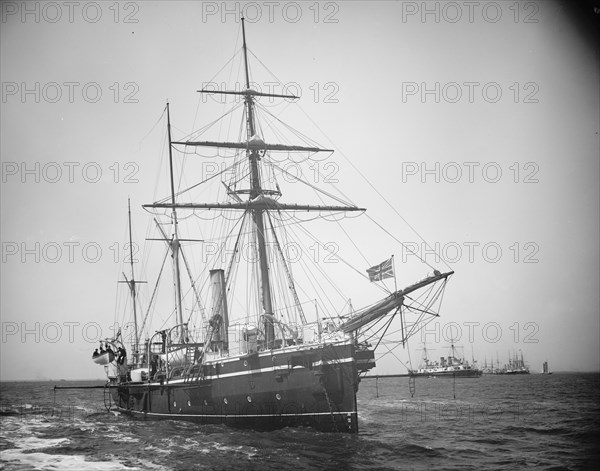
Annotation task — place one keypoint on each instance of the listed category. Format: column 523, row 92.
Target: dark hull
column 289, row 387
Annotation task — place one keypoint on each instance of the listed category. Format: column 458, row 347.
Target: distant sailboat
column 545, row 369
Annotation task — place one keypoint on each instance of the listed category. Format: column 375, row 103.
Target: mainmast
column 257, row 213
column 257, row 204
column 175, row 241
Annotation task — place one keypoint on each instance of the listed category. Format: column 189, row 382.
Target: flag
column 381, row 271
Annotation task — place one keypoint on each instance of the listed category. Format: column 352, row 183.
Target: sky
column 477, row 122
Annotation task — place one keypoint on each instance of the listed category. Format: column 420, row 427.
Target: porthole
column 189, row 403
column 205, row 403
column 278, row 396
column 225, row 400
column 249, row 398
column 245, row 363
column 174, row 404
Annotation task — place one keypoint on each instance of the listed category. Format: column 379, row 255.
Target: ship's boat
column 104, row 358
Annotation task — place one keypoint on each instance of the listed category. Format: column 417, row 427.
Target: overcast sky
column 477, row 121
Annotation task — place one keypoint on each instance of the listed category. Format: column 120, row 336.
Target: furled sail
column 253, row 144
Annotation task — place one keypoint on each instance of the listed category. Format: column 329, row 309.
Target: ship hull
column 302, row 386
column 448, row 374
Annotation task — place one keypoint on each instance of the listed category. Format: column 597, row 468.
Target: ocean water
column 493, row 422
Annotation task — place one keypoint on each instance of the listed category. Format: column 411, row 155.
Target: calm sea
column 493, row 422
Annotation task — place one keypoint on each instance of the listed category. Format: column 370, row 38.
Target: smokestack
column 219, row 307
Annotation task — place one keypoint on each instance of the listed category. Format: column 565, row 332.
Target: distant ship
column 545, row 369
column 515, row 366
column 489, row 369
column 450, row 366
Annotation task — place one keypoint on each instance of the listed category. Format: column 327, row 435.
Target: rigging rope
column 154, row 292
column 401, row 243
column 374, row 188
column 179, row 193
column 315, row 188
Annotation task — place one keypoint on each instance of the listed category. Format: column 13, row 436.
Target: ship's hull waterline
column 300, row 387
column 449, row 374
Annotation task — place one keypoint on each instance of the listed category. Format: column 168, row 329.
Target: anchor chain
column 330, row 410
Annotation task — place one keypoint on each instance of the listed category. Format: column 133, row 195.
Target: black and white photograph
column 308, row 235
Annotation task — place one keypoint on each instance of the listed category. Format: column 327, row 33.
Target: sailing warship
column 249, row 356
